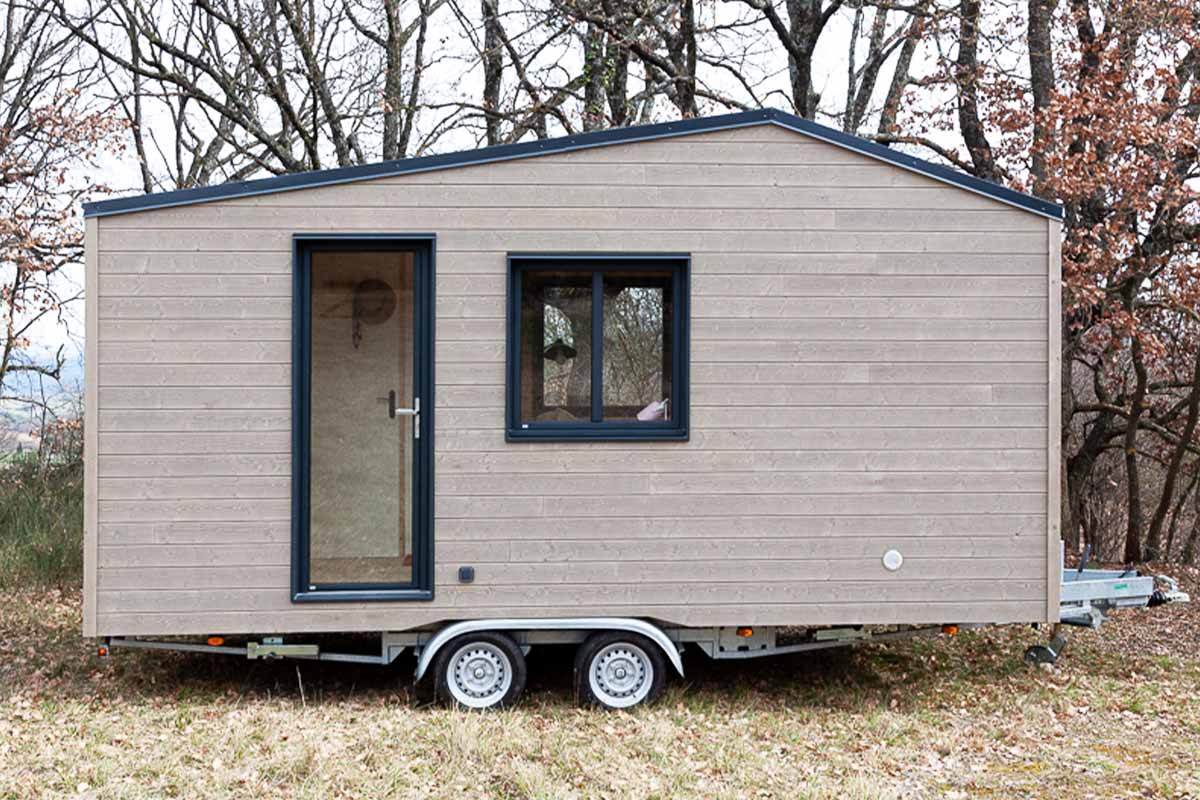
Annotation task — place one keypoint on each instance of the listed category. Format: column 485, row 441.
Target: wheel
column 480, row 670
column 615, row 669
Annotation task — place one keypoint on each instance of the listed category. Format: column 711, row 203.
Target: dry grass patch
column 1119, row 716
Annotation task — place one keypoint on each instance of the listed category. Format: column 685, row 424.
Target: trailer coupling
column 1088, row 595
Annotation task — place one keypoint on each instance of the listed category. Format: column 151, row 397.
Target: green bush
column 41, row 523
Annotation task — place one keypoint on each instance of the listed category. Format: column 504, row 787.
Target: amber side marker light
column 745, row 633
column 949, row 630
column 216, row 641
column 102, row 651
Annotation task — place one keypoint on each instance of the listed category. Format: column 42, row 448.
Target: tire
column 480, row 671
column 619, row 670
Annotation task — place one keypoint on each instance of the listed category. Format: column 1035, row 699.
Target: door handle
column 414, row 412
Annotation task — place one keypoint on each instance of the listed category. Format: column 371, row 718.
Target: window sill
column 591, row 434
column 361, row 595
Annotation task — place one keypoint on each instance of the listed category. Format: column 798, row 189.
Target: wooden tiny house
column 733, row 371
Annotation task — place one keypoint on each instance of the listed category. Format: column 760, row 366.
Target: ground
column 961, row 716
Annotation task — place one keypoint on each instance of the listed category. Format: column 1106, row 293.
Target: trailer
column 622, row 662
column 697, row 381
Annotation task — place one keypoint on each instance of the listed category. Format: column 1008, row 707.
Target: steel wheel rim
column 479, row 675
column 621, row 675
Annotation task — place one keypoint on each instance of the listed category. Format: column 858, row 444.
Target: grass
column 41, row 524
column 1118, row 716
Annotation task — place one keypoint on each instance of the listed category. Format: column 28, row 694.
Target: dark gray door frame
column 423, row 248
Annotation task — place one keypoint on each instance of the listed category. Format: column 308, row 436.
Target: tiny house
column 631, row 389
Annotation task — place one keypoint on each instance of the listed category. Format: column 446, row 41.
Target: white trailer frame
column 1088, row 595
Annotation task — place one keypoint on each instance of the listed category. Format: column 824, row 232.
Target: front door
column 362, row 471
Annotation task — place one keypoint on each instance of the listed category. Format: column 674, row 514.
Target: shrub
column 41, row 522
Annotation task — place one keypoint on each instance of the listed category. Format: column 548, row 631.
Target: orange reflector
column 950, row 630
column 745, row 633
column 216, row 641
column 102, row 651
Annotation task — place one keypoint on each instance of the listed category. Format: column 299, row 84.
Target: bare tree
column 50, row 131
column 798, row 36
column 270, row 86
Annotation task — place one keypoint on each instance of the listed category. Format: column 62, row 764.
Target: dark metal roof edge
column 581, row 141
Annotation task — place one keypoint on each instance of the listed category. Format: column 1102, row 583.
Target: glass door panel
column 362, row 418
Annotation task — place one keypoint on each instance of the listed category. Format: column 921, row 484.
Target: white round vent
column 892, row 560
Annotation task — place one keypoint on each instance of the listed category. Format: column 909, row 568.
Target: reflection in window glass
column 556, row 351
column 637, row 346
column 360, row 461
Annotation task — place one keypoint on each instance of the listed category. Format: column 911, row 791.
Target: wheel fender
column 651, row 632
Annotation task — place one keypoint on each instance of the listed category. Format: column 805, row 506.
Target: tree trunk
column 414, row 88
column 1041, row 79
column 1177, row 512
column 1133, row 488
column 1079, row 468
column 966, row 76
column 493, row 70
column 900, row 76
column 1189, row 548
column 857, row 111
column 616, row 62
column 393, row 81
column 684, row 55
column 1154, row 535
column 803, row 22
column 594, row 68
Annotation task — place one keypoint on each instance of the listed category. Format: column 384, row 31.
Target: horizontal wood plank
column 936, row 308
column 175, row 443
column 235, row 578
column 886, row 527
column 766, row 487
column 193, row 465
column 673, row 462
column 178, row 309
column 734, row 506
column 944, row 438
column 707, row 395
column 665, row 240
column 211, row 535
column 760, row 351
column 232, row 376
column 422, row 191
column 273, row 398
column 734, row 417
column 626, row 595
column 746, row 329
column 188, row 510
column 118, row 331
column 383, row 616
column 907, row 373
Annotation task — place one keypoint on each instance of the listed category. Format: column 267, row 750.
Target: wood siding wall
column 870, row 369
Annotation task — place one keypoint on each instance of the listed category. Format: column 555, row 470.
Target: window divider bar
column 597, row 345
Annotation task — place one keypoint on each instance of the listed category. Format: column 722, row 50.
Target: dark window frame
column 675, row 429
column 424, row 249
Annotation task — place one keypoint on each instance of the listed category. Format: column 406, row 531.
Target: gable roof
column 510, row 152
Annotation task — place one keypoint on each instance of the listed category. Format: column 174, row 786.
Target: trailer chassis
column 1087, row 596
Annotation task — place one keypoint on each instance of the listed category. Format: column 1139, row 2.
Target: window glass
column 361, row 457
column 556, row 346
column 637, row 346
column 597, row 348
